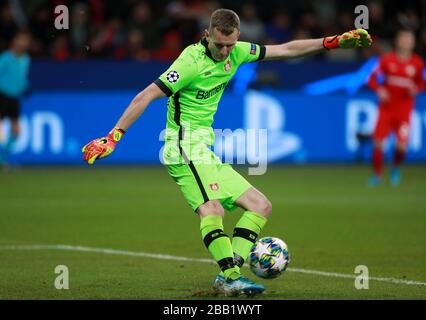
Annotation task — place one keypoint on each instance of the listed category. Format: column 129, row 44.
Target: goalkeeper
column 194, row 84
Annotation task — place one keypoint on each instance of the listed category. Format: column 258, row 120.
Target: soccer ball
column 269, row 257
column 172, row 76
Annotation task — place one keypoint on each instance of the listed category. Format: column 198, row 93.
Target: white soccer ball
column 269, row 257
column 172, row 76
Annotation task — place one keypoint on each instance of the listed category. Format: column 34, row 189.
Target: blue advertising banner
column 122, row 75
column 288, row 126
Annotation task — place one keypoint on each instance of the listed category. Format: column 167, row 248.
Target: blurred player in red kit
column 402, row 71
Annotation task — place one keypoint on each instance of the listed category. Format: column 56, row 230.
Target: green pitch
column 111, row 218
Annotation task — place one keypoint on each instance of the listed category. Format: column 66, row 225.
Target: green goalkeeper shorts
column 201, row 182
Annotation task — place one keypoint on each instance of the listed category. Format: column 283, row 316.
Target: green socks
column 219, row 245
column 231, row 257
column 245, row 234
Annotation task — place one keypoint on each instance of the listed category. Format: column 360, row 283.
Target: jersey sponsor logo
column 214, row 186
column 266, row 114
column 253, row 49
column 410, row 70
column 227, row 65
column 172, row 76
column 397, row 81
column 210, row 93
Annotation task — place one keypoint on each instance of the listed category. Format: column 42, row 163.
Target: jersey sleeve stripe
column 163, row 87
column 177, row 108
column 261, row 53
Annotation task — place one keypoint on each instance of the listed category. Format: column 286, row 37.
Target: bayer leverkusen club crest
column 214, row 186
column 227, row 65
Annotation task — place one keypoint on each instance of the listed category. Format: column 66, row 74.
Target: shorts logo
column 214, row 186
column 172, row 76
column 253, row 49
column 227, row 66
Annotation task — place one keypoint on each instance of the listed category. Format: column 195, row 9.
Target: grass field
column 111, row 218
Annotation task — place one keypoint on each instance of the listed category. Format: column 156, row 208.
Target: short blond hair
column 225, row 21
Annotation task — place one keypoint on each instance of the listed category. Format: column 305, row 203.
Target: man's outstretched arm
column 138, row 106
column 103, row 147
column 358, row 38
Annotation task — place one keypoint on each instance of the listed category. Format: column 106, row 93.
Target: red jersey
column 400, row 76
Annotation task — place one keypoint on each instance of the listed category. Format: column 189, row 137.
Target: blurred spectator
column 135, row 46
column 379, row 28
column 279, row 29
column 422, row 40
column 182, row 17
column 409, row 19
column 309, row 22
column 301, row 34
column 8, row 26
column 171, row 48
column 79, row 20
column 107, row 28
column 14, row 82
column 97, row 12
column 252, row 28
column 60, row 48
column 108, row 41
column 203, row 18
column 325, row 10
column 142, row 20
column 42, row 27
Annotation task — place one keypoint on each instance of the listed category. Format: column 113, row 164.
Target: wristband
column 331, row 42
column 116, row 134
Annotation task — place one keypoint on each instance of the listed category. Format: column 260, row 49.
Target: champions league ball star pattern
column 172, row 76
column 269, row 257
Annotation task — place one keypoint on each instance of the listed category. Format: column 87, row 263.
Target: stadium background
column 316, row 110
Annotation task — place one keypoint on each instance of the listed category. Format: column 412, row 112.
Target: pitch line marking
column 177, row 258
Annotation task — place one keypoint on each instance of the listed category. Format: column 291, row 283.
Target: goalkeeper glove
column 102, row 147
column 358, row 38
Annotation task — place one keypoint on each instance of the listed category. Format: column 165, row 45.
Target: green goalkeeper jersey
column 194, row 84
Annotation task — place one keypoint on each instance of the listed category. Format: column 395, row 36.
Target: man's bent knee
column 212, row 207
column 254, row 200
column 261, row 206
column 265, row 207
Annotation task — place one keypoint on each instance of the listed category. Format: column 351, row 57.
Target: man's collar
column 208, row 53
